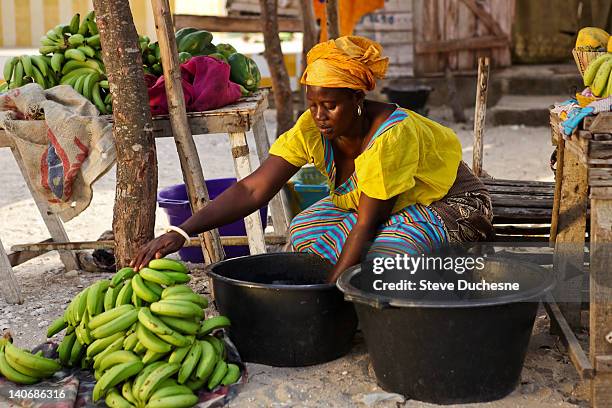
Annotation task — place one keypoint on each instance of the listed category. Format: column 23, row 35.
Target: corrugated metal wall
column 23, row 22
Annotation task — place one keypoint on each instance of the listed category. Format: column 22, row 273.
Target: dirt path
column 548, row 379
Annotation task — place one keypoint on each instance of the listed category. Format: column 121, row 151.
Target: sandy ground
column 548, row 378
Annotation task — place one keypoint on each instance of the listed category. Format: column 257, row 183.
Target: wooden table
column 584, row 180
column 235, row 120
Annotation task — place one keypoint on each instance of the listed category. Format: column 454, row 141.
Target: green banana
column 75, row 54
column 176, row 289
column 87, row 50
column 48, row 49
column 73, row 65
column 168, row 264
column 153, row 275
column 139, row 348
column 593, row 67
column 217, row 344
column 56, row 62
column 39, row 78
column 151, row 356
column 92, row 26
column 179, row 277
column 76, row 39
column 73, row 27
column 175, row 339
column 13, row 375
column 56, row 326
column 130, row 342
column 125, row 294
column 41, row 63
column 81, row 306
column 75, row 353
column 117, row 357
column 122, row 275
column 109, row 316
column 95, row 296
column 601, row 78
column 153, row 323
column 24, row 370
column 100, row 345
column 170, row 390
column 155, row 379
column 189, row 297
column 136, row 301
column 104, row 84
column 9, row 66
column 190, row 363
column 114, row 376
column 119, row 324
column 4, row 87
column 126, row 392
column 27, row 65
column 181, row 325
column 115, row 400
column 73, row 76
column 180, row 34
column 93, row 41
column 111, row 293
column 176, row 308
column 217, row 375
column 18, row 75
column 196, row 384
column 97, row 100
column 175, row 401
column 48, row 41
column 83, row 28
column 114, row 346
column 232, row 375
column 155, row 287
column 142, row 376
column 212, row 324
column 143, row 291
column 85, row 335
column 42, row 364
column 151, row 341
column 65, row 347
column 207, row 362
column 179, row 354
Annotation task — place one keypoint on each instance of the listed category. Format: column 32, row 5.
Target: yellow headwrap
column 347, row 62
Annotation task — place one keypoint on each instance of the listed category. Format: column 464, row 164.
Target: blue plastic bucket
column 308, row 194
column 175, row 202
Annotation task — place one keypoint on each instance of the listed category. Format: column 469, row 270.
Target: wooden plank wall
column 442, row 20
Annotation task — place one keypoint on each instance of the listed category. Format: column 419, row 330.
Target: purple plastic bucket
column 175, row 203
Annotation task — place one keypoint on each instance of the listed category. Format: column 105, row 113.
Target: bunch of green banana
column 26, row 69
column 23, row 367
column 597, row 76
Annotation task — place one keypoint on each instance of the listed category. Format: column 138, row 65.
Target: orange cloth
column 347, row 62
column 349, row 13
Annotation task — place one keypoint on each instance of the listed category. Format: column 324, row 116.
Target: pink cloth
column 206, row 85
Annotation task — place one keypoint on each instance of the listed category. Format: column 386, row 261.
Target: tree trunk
column 333, row 24
column 134, row 212
column 281, row 86
column 310, row 39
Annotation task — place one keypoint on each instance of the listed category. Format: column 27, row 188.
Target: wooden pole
column 283, row 98
column 136, row 188
column 190, row 162
column 309, row 39
column 8, row 282
column 480, row 114
column 554, row 222
column 333, row 25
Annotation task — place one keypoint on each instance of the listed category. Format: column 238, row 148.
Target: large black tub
column 448, row 347
column 282, row 311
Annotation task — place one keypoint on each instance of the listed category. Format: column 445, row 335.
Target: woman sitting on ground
column 398, row 184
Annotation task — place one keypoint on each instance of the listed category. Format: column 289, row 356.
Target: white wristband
column 179, row 231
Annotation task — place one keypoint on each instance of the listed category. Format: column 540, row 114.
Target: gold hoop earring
column 358, row 110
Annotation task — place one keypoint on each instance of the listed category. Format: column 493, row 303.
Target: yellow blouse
column 416, row 159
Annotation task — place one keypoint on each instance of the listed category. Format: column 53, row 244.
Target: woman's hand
column 158, row 248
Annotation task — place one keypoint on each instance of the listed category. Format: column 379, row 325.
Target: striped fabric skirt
column 323, row 228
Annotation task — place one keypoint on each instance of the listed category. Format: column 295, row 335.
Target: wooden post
column 190, row 162
column 569, row 247
column 600, row 349
column 554, row 221
column 480, row 114
column 309, row 40
column 278, row 206
column 283, row 98
column 242, row 165
column 136, row 189
column 9, row 284
column 333, row 23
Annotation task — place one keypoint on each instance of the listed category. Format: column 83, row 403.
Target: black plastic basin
column 445, row 347
column 282, row 311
